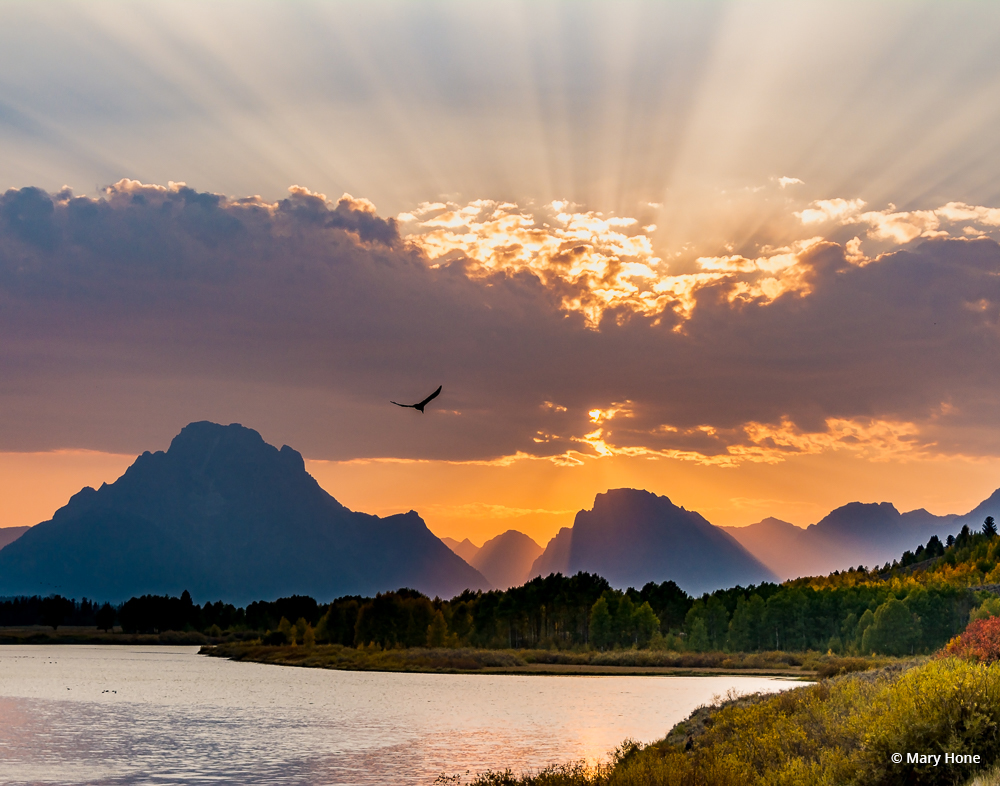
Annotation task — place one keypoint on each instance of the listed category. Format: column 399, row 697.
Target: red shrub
column 980, row 641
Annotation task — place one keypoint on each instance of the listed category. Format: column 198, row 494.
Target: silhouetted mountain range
column 10, row 534
column 855, row 534
column 466, row 549
column 506, row 560
column 225, row 515
column 631, row 537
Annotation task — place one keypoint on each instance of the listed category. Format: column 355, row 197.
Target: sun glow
column 594, row 263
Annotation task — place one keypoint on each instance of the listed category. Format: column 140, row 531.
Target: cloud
column 558, row 333
column 899, row 227
column 824, row 210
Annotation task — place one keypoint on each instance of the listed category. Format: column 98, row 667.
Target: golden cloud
column 903, row 226
column 595, row 262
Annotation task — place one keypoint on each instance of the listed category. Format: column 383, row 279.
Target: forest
column 912, row 606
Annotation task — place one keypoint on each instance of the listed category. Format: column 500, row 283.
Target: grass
column 838, row 731
column 808, row 664
column 38, row 634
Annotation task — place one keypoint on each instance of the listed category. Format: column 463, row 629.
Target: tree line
column 885, row 610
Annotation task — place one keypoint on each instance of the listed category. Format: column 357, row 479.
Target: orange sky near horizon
column 538, row 497
column 632, row 255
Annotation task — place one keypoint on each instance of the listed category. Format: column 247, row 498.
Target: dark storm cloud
column 123, row 318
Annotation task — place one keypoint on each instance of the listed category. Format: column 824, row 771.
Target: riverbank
column 852, row 729
column 625, row 662
column 38, row 634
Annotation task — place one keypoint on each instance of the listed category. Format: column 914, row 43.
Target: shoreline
column 794, row 666
column 800, row 666
column 36, row 634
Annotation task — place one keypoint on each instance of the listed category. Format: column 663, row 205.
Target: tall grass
column 840, row 731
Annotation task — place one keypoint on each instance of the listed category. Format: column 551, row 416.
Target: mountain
column 506, row 560
column 10, row 534
column 782, row 547
column 631, row 537
column 466, row 549
column 854, row 534
column 555, row 557
column 225, row 515
column 975, row 517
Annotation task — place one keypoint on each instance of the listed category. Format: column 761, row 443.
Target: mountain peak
column 506, row 560
column 226, row 515
column 632, row 536
column 199, row 442
column 634, row 499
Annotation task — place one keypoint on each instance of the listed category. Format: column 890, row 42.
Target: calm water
column 165, row 715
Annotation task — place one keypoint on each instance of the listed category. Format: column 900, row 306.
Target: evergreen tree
column 105, row 617
column 989, row 527
column 55, row 610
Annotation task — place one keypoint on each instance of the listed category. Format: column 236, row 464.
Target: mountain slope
column 854, row 534
column 631, row 537
column 466, row 549
column 506, row 560
column 555, row 557
column 10, row 534
column 975, row 517
column 781, row 546
column 225, row 515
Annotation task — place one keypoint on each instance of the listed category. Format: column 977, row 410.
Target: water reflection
column 145, row 715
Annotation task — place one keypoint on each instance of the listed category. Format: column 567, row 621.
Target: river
column 165, row 715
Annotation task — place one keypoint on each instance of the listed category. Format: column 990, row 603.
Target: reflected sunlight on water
column 159, row 715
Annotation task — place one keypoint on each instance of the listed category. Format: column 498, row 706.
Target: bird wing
column 401, row 405
column 433, row 395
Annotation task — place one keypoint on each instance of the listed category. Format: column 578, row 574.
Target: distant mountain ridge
column 466, row 549
column 854, row 534
column 10, row 534
column 225, row 515
column 631, row 537
column 506, row 560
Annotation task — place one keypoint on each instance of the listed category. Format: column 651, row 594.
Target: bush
column 841, row 731
column 275, row 638
column 980, row 642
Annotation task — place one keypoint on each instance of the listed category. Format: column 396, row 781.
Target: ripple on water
column 165, row 715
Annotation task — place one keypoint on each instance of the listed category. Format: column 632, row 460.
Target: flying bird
column 420, row 406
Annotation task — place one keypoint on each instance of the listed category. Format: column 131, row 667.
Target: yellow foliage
column 836, row 732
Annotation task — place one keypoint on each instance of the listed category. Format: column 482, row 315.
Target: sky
column 742, row 254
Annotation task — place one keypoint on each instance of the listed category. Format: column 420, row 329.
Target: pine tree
column 105, row 617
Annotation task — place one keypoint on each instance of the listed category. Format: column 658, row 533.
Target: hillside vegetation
column 845, row 730
column 840, row 731
column 911, row 607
